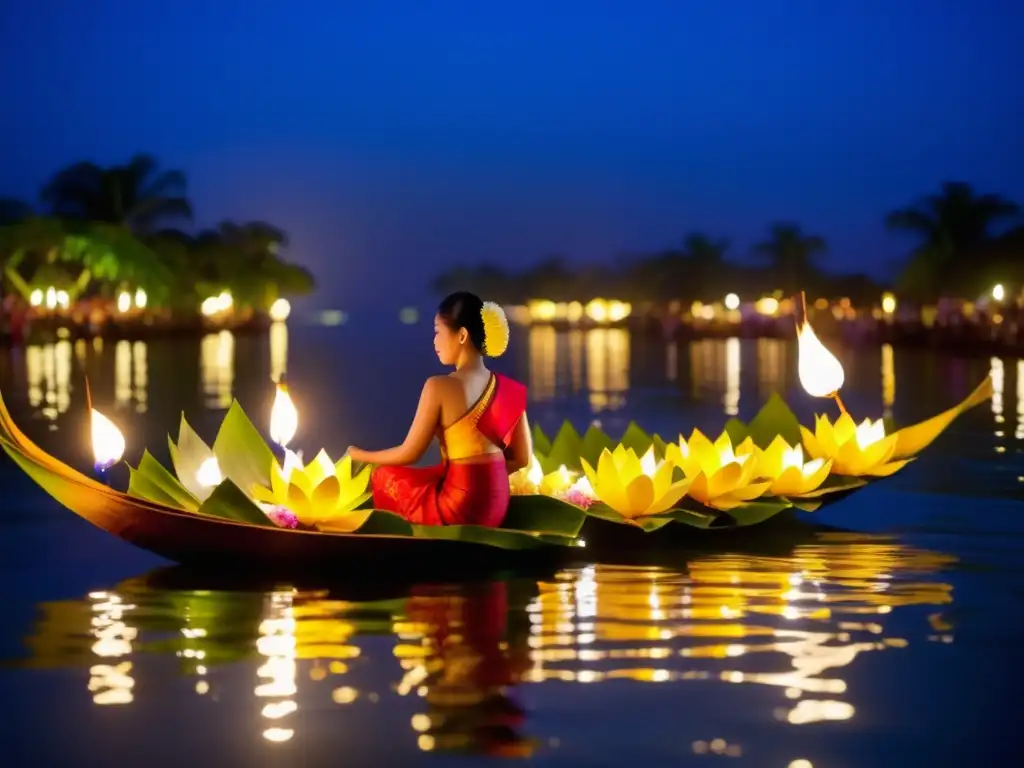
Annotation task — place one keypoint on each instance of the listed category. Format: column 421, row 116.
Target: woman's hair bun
column 496, row 330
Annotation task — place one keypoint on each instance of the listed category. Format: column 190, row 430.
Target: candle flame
column 821, row 374
column 209, row 474
column 107, row 442
column 284, row 418
column 534, row 474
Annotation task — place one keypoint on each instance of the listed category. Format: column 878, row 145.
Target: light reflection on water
column 599, row 364
column 794, row 623
column 784, row 640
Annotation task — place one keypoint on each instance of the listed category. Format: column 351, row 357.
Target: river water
column 884, row 633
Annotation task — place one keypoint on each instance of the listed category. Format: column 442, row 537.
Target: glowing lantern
column 280, row 310
column 821, row 374
column 998, row 292
column 732, row 302
column 141, row 299
column 124, row 301
column 36, row 298
column 888, row 303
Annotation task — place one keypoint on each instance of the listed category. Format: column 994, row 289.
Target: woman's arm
column 424, row 425
column 520, row 450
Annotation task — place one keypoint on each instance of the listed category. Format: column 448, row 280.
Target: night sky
column 392, row 139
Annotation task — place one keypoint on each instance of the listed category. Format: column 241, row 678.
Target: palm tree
column 791, row 254
column 949, row 225
column 136, row 195
column 705, row 250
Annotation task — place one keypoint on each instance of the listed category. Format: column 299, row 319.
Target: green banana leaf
column 565, row 450
column 594, row 442
column 634, row 437
column 541, row 443
column 227, row 501
column 244, row 457
column 774, row 419
column 155, row 473
column 757, row 512
column 544, row 515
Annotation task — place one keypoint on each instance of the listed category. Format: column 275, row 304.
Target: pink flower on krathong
column 577, row 498
column 282, row 517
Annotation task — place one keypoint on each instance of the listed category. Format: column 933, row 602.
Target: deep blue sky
column 394, row 138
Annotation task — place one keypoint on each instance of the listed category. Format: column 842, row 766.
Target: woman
column 479, row 418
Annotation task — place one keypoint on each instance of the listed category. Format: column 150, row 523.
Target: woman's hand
column 357, row 454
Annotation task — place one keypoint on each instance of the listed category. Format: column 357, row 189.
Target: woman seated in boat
column 479, row 419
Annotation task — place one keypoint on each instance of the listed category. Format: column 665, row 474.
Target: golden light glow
column 597, row 310
column 821, row 374
column 542, row 310
column 998, row 292
column 732, row 302
column 217, row 368
column 888, row 303
column 284, row 417
column 124, row 301
column 36, row 298
column 141, row 298
column 280, row 310
column 768, row 305
column 215, row 305
column 51, row 297
column 776, row 634
column 111, row 682
column 107, row 442
column 209, row 475
column 277, row 643
column 48, row 371
column 278, row 351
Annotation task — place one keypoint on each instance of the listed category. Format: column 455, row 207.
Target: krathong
column 236, row 500
column 322, row 494
column 634, row 487
column 720, row 477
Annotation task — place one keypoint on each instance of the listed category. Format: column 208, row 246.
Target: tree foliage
column 103, row 224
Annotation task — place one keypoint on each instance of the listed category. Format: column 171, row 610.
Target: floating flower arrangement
column 741, row 477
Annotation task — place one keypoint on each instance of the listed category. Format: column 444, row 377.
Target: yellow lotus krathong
column 632, row 486
column 322, row 494
column 230, row 501
column 719, row 476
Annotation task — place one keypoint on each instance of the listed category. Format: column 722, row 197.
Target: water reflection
column 888, row 380
column 217, row 369
column 131, row 375
column 48, row 372
column 111, row 682
column 792, row 623
column 599, row 357
column 277, row 673
column 278, row 351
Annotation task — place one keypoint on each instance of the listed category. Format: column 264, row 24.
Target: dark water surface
column 896, row 645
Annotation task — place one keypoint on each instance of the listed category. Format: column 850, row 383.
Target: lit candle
column 107, row 440
column 820, row 372
column 284, row 423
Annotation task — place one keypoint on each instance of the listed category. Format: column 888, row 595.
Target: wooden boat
column 189, row 538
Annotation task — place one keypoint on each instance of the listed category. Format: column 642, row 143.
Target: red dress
column 470, row 485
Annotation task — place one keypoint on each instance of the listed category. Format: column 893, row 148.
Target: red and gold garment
column 469, row 486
